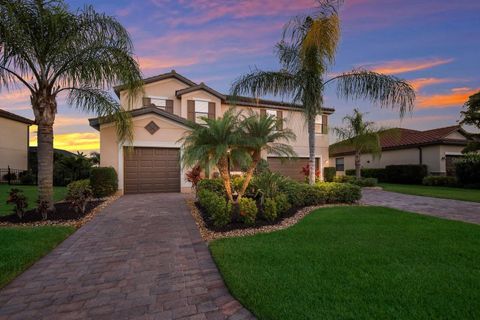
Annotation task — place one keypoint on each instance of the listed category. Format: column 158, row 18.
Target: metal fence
column 17, row 176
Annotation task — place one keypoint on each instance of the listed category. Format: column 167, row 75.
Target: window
column 201, row 111
column 158, row 102
column 339, row 164
column 321, row 124
column 271, row 113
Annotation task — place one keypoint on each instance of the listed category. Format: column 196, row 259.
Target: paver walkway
column 444, row 208
column 140, row 258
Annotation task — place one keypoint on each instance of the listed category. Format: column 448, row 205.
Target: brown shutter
column 146, row 102
column 263, row 112
column 211, row 110
column 191, row 110
column 169, row 106
column 324, row 124
column 279, row 120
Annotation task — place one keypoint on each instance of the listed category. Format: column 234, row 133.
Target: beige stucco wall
column 167, row 136
column 163, row 88
column 13, row 144
column 432, row 156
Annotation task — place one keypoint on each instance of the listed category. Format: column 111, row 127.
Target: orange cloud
column 78, row 141
column 404, row 66
column 163, row 62
column 419, row 83
column 457, row 97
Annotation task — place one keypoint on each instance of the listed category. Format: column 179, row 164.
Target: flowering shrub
column 194, row 176
column 306, row 172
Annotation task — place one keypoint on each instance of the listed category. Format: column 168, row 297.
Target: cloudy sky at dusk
column 431, row 43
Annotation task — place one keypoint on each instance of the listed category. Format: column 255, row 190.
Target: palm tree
column 361, row 135
column 51, row 51
column 215, row 144
column 306, row 52
column 263, row 133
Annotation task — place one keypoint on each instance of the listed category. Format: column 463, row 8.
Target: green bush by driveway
column 357, row 263
column 20, row 247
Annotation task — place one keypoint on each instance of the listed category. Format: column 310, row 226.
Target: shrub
column 406, row 173
column 267, row 183
column 10, row 176
column 344, row 179
column 270, row 209
column 335, row 192
column 439, row 181
column 306, row 172
column 79, row 193
column 213, row 185
column 27, row 178
column 378, row 173
column 283, row 205
column 302, row 194
column 329, row 173
column 248, row 210
column 215, row 206
column 366, row 182
column 103, row 181
column 262, row 167
column 194, row 176
column 467, row 170
column 18, row 199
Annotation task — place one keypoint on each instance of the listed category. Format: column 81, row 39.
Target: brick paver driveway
column 141, row 258
column 444, row 208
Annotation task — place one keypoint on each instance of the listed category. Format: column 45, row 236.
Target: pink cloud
column 455, row 98
column 404, row 66
column 420, row 83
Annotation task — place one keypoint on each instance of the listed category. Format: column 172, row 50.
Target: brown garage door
column 290, row 168
column 152, row 170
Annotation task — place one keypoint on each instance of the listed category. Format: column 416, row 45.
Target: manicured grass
column 436, row 192
column 31, row 194
column 20, row 247
column 357, row 263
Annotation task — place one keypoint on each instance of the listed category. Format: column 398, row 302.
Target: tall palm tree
column 215, row 143
column 362, row 135
column 51, row 51
column 306, row 52
column 263, row 133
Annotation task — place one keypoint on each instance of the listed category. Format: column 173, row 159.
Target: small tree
column 18, row 199
column 471, row 116
column 361, row 135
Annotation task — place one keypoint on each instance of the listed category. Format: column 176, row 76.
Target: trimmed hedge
column 377, row 173
column 406, row 173
column 103, row 181
column 213, row 185
column 329, row 174
column 467, row 170
column 335, row 192
column 216, row 207
column 439, row 181
column 248, row 210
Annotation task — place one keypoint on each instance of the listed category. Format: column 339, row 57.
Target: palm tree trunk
column 44, row 109
column 311, row 150
column 223, row 168
column 358, row 172
column 255, row 160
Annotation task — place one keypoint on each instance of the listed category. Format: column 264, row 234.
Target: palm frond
column 386, row 90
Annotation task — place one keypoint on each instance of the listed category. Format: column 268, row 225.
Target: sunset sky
column 431, row 43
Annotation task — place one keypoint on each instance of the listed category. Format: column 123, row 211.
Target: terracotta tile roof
column 400, row 138
column 14, row 117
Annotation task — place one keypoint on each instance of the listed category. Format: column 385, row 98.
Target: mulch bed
column 64, row 215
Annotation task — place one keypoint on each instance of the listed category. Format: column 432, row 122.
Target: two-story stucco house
column 14, row 140
column 161, row 117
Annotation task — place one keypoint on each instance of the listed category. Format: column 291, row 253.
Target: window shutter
column 263, row 112
column 279, row 120
column 211, row 110
column 324, row 124
column 169, row 106
column 146, row 102
column 191, row 110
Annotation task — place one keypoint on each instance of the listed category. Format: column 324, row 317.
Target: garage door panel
column 288, row 167
column 152, row 170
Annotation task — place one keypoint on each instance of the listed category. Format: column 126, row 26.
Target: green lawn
column 357, row 263
column 20, row 247
column 31, row 194
column 436, row 192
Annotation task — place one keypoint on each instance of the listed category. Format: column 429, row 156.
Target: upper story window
column 277, row 114
column 158, row 102
column 321, row 124
column 339, row 164
column 199, row 109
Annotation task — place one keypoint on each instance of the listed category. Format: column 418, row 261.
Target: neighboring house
column 161, row 117
column 14, row 140
column 437, row 148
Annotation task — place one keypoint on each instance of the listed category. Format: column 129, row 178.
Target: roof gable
column 202, row 86
column 15, row 117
